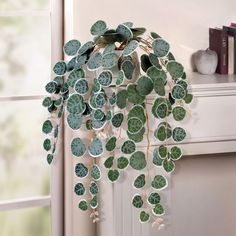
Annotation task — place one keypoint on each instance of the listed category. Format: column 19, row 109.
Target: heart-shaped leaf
column 79, row 189
column 154, row 198
column 95, row 149
column 122, row 163
column 77, row 147
column 179, row 134
column 81, row 170
column 137, row 201
column 111, row 144
column 139, row 182
column 128, row 147
column 138, row 161
column 72, row 47
column 113, row 175
column 159, row 182
column 96, row 172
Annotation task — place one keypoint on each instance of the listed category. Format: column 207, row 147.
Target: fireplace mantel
column 212, row 127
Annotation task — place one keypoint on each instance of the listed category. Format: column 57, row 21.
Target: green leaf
column 47, row 127
column 157, row 103
column 162, row 150
column 154, row 73
column 175, row 69
column 117, row 120
column 51, row 87
column 111, row 144
column 139, row 182
column 98, row 28
column 79, row 189
column 133, row 96
column 188, row 98
column 144, row 85
column 179, row 134
column 130, row 48
column 137, row 111
column 168, row 165
column 110, row 48
column 122, row 163
column 85, row 48
column 98, row 114
column 178, row 113
column 47, row 144
column 49, row 158
column 128, row 147
column 74, row 121
column 95, row 62
column 159, row 86
column 178, row 92
column 145, row 62
column 138, row 137
column 155, row 60
column 128, row 68
column 121, row 99
column 154, row 198
column 94, row 202
column 160, row 47
column 81, row 60
column 109, row 162
column 156, row 160
column 47, row 102
column 113, row 99
column 124, row 31
column 77, row 147
column 162, row 111
column 144, row 217
column 72, row 47
column 161, row 133
column 93, row 189
column 109, row 115
column 175, row 153
column 83, row 205
column 138, row 161
column 74, row 76
column 155, row 35
column 158, row 210
column 134, row 125
column 60, row 68
column 159, row 182
column 120, row 78
column 105, row 78
column 137, row 201
column 182, row 83
column 81, row 170
column 98, row 124
column 100, row 99
column 113, row 175
column 95, row 149
column 75, row 104
column 109, row 60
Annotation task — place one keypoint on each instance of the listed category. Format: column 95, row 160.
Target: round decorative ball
column 206, row 61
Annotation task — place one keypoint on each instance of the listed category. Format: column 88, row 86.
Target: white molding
column 22, row 98
column 24, row 13
column 25, row 203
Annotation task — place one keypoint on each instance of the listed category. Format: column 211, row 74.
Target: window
column 27, row 205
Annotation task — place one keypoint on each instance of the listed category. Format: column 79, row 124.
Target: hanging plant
column 118, row 94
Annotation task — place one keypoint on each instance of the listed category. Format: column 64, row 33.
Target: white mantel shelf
column 212, row 127
column 215, row 85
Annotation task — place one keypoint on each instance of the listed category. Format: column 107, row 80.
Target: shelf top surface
column 210, row 81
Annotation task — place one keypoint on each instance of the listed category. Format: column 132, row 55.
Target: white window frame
column 56, row 198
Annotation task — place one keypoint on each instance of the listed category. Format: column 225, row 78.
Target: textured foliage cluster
column 115, row 99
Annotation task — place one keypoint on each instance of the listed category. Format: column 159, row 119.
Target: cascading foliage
column 117, row 96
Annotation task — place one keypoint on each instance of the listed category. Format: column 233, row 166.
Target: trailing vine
column 114, row 100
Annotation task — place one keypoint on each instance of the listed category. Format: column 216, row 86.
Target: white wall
column 184, row 23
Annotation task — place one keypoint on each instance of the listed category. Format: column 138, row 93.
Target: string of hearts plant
column 115, row 99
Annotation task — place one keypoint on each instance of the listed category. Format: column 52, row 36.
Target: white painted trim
column 57, row 167
column 22, row 98
column 25, row 203
column 16, row 13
